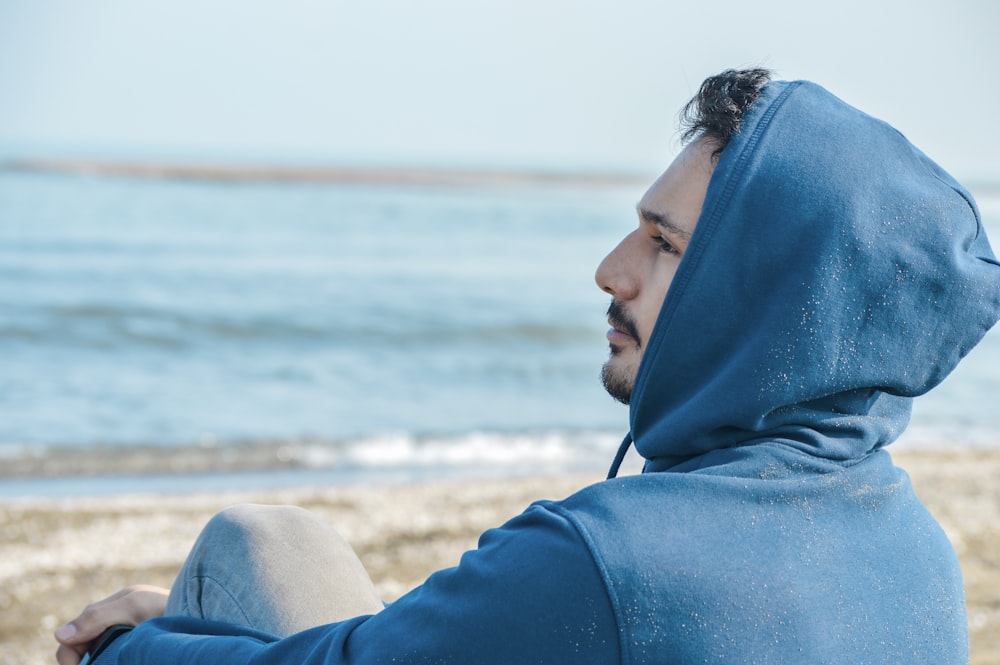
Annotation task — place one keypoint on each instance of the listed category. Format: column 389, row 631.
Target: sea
column 181, row 334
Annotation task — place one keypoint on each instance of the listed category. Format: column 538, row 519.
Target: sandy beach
column 59, row 554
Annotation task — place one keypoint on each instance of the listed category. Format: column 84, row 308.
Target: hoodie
column 835, row 273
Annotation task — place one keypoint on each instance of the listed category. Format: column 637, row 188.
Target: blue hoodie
column 834, row 274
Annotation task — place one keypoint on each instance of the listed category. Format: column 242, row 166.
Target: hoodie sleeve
column 530, row 593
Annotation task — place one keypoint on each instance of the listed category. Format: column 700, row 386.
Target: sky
column 564, row 85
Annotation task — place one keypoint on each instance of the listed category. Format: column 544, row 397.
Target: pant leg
column 279, row 569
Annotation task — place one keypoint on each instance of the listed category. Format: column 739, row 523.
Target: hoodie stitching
column 609, row 589
column 707, row 227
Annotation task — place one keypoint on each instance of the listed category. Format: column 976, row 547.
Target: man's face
column 638, row 272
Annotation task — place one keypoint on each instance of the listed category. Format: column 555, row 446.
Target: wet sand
column 60, row 554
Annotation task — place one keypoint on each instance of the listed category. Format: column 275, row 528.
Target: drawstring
column 620, row 456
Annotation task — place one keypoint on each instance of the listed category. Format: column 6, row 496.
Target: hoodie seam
column 591, row 547
column 840, row 464
column 707, row 227
column 954, row 187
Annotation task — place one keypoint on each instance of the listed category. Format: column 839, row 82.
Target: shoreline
column 62, row 553
column 420, row 453
column 359, row 454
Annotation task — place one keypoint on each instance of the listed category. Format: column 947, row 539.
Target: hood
column 835, row 273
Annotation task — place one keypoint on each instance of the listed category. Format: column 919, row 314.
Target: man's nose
column 615, row 273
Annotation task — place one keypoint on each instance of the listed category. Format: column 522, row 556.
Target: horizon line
column 231, row 172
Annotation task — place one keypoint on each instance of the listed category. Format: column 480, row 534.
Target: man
column 798, row 274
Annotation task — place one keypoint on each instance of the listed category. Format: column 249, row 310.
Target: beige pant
column 278, row 569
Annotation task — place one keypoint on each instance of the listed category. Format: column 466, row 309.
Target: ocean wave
column 388, row 451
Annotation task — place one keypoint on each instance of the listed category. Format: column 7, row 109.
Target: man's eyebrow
column 662, row 220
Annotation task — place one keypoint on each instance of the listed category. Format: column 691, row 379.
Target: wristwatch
column 102, row 643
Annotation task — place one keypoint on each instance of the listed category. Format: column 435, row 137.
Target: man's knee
column 278, row 568
column 252, row 517
column 251, row 527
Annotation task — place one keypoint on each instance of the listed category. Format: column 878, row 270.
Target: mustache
column 619, row 319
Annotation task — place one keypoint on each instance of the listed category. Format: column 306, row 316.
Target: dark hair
column 716, row 112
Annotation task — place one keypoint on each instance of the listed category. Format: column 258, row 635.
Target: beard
column 618, row 386
column 618, row 380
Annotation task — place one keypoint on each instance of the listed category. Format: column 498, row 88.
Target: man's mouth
column 623, row 329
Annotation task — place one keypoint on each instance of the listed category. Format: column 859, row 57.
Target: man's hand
column 128, row 607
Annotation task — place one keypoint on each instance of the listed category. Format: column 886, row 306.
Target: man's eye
column 664, row 245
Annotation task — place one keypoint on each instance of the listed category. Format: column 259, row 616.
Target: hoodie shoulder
column 780, row 566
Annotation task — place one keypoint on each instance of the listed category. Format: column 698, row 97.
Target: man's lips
column 623, row 330
column 619, row 337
